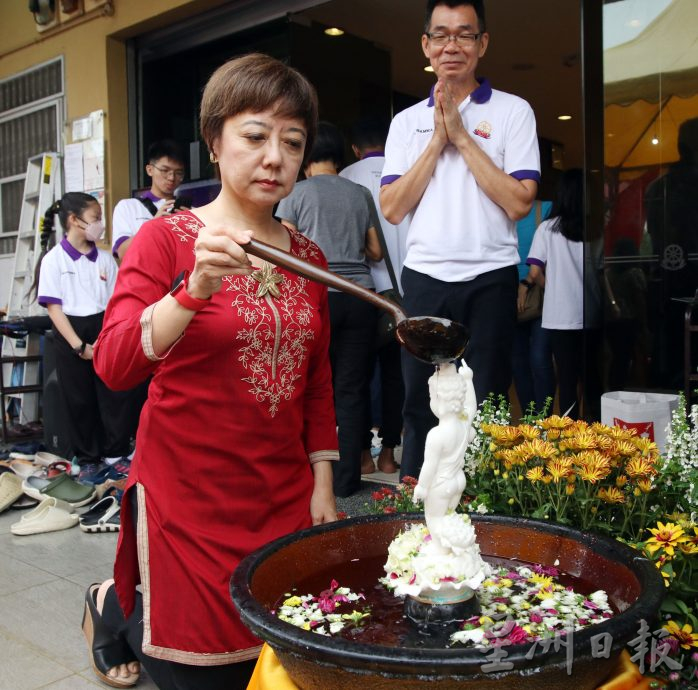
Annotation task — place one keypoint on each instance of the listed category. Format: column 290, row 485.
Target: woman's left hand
column 322, row 506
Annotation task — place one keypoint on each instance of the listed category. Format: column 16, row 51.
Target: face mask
column 94, row 231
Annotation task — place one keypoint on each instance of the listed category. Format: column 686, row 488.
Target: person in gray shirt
column 341, row 218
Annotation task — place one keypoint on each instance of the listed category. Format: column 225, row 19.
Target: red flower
column 377, row 495
column 341, row 515
column 409, row 481
column 389, row 510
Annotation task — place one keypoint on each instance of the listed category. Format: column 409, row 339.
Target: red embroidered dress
column 235, row 414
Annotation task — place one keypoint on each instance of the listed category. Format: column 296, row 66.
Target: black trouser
column 353, row 324
column 101, row 421
column 169, row 675
column 486, row 306
column 576, row 355
column 386, row 361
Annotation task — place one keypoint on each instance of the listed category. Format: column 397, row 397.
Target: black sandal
column 107, row 650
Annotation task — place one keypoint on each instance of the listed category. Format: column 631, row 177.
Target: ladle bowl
column 315, row 662
column 431, row 339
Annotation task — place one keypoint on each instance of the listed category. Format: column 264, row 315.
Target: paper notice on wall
column 93, row 163
column 97, row 122
column 74, row 180
column 82, row 128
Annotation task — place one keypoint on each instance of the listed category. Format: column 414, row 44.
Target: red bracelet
column 185, row 299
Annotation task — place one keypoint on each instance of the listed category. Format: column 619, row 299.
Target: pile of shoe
column 45, row 482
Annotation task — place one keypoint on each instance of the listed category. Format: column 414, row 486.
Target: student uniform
column 100, row 420
column 129, row 215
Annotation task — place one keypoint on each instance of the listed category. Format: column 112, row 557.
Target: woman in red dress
column 236, row 440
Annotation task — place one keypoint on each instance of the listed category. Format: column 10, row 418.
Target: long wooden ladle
column 428, row 338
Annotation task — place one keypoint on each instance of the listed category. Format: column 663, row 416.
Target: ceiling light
column 428, row 68
column 634, row 23
column 655, row 141
column 564, row 117
column 334, row 31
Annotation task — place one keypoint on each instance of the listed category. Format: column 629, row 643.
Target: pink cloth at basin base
column 269, row 674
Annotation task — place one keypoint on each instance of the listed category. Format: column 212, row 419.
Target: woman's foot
column 125, row 672
column 386, row 461
column 367, row 466
column 105, row 647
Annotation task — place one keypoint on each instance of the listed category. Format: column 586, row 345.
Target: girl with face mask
column 76, row 280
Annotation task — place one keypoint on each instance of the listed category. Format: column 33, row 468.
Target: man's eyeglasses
column 168, row 172
column 440, row 39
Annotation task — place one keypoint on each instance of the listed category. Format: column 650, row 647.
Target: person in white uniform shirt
column 462, row 166
column 76, row 280
column 165, row 168
column 568, row 267
column 368, row 142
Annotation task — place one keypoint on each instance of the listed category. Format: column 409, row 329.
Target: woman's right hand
column 217, row 254
column 521, row 298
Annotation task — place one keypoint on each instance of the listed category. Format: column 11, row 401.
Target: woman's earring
column 212, row 157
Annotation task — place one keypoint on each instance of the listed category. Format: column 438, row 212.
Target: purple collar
column 74, row 254
column 151, row 196
column 480, row 95
column 374, row 154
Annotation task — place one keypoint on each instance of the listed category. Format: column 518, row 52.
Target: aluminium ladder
column 21, row 357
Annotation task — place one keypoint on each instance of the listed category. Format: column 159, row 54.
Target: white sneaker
column 51, row 515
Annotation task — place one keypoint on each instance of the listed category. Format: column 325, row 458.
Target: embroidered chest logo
column 484, row 130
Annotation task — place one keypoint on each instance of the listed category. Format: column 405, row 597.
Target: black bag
column 385, row 329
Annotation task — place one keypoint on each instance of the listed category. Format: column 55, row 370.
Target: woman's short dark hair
column 257, row 82
column 328, row 146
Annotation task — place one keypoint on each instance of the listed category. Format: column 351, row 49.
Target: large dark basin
column 315, row 662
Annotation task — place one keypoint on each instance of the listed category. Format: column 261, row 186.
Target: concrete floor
column 43, row 578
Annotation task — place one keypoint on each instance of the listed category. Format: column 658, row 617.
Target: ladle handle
column 279, row 257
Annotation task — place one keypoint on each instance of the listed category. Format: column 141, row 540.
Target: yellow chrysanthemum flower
column 584, row 440
column 611, row 495
column 529, row 432
column 556, row 422
column 559, row 468
column 621, row 434
column 666, row 537
column 624, row 447
column 621, row 481
column 536, row 449
column 552, row 434
column 639, row 467
column 645, row 485
column 592, row 473
column 535, row 474
column 542, row 580
column 685, row 635
column 646, row 447
column 503, row 435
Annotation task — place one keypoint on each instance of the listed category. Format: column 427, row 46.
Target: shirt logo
column 484, row 130
column 424, row 131
column 103, row 276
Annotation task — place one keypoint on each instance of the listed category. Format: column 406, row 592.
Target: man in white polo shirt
column 165, row 168
column 462, row 166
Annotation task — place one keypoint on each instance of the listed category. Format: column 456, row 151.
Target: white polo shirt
column 571, row 302
column 456, row 232
column 81, row 283
column 367, row 172
column 129, row 215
